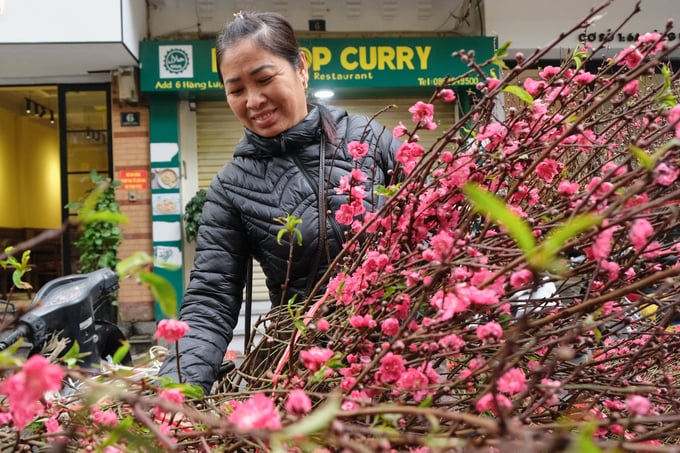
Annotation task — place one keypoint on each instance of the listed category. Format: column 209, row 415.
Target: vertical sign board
column 165, row 196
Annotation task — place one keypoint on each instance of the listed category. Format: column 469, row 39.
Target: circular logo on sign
column 176, row 61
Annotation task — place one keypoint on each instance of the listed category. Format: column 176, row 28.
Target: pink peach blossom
column 652, row 38
column 391, row 368
column 631, row 88
column 452, row 342
column 399, row 130
column 665, row 175
column 674, row 118
column 362, row 322
column 584, row 78
column 490, row 330
column 259, row 412
column 492, row 83
column 447, row 95
column 421, row 111
column 26, row 388
column 549, row 72
column 298, row 402
column 533, row 86
column 630, row 57
column 521, row 278
column 322, row 325
column 491, row 402
column 602, row 246
column 171, row 330
column 390, row 326
column 638, row 405
column 314, row 357
column 357, row 149
column 567, row 188
column 640, row 232
column 105, row 418
column 548, row 169
column 512, row 381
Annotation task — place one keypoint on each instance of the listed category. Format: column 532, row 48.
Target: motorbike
column 77, row 308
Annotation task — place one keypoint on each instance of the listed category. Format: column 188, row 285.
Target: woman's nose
column 255, row 99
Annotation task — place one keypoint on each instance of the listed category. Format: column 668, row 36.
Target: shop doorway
column 44, row 153
column 85, row 144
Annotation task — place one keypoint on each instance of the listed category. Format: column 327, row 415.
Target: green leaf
column 73, row 355
column 583, row 443
column 500, row 55
column 427, row 402
column 521, row 93
column 320, row 419
column 134, row 264
column 121, row 352
column 642, row 157
column 279, row 235
column 17, row 275
column 493, row 207
column 122, row 428
column 386, row 191
column 290, row 223
column 299, row 323
column 162, row 291
column 666, row 95
column 544, row 256
column 578, row 56
column 104, row 216
column 8, row 355
column 188, row 390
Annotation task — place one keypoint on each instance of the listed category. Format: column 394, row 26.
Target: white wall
column 28, row 21
column 530, row 24
column 174, row 17
column 68, row 41
column 134, row 24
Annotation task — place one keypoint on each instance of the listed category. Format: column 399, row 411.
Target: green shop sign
column 334, row 63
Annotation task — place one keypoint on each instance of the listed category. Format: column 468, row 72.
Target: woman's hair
column 269, row 31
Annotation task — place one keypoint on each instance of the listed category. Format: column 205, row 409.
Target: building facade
column 132, row 90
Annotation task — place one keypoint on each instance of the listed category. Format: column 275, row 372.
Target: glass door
column 85, row 136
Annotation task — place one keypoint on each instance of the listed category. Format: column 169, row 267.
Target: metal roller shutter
column 444, row 113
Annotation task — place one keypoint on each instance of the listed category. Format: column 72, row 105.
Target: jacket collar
column 289, row 141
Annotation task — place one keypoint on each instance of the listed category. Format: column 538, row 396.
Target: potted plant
column 192, row 215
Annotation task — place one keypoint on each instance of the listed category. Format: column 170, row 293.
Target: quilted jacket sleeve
column 213, row 299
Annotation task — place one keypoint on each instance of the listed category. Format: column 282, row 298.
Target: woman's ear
column 303, row 69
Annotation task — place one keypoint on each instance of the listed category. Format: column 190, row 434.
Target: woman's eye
column 266, row 80
column 234, row 91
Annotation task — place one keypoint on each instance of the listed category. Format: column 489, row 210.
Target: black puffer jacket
column 270, row 178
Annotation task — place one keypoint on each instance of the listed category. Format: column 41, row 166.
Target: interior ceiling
column 36, row 68
column 13, row 99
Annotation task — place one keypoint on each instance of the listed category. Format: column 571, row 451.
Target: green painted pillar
column 165, row 192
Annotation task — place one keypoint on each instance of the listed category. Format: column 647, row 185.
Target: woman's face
column 263, row 90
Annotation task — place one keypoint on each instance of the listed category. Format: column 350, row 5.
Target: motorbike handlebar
column 21, row 331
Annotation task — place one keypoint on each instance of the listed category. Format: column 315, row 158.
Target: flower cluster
column 520, row 285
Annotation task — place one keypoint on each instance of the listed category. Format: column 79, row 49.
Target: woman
column 289, row 162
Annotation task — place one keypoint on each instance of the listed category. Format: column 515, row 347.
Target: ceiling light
column 323, row 94
column 38, row 110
